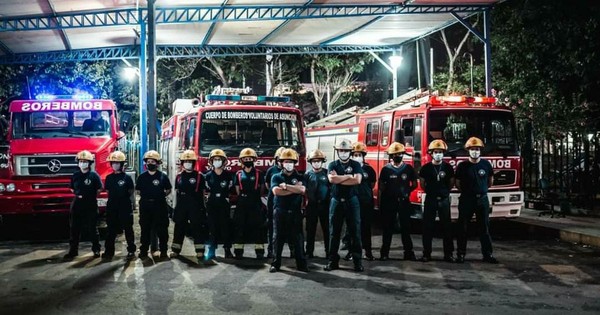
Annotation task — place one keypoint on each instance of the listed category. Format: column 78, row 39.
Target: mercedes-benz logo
column 54, row 165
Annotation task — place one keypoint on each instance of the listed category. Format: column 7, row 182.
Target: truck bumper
column 502, row 204
column 28, row 204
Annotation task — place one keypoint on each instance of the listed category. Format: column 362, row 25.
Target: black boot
column 239, row 253
column 228, row 253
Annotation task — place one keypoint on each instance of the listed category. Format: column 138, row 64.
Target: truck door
column 372, row 141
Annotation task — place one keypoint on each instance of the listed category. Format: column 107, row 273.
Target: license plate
column 102, row 202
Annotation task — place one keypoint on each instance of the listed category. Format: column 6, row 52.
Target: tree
column 282, row 71
column 330, row 77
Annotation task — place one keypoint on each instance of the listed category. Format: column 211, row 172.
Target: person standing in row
column 345, row 175
column 473, row 179
column 437, row 178
column 189, row 212
column 318, row 194
column 218, row 183
column 248, row 217
column 288, row 191
column 276, row 168
column 153, row 187
column 365, row 196
column 396, row 181
column 119, row 209
column 86, row 185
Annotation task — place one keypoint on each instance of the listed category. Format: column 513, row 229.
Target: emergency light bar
column 83, row 96
column 247, row 98
column 448, row 100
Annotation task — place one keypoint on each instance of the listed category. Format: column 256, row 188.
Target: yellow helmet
column 152, row 155
column 188, row 155
column 343, row 144
column 85, row 155
column 395, row 148
column 316, row 154
column 438, row 144
column 359, row 147
column 474, row 142
column 288, row 154
column 278, row 152
column 117, row 156
column 248, row 152
column 217, row 152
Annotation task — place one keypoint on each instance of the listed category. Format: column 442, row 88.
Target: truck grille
column 505, row 177
column 36, row 165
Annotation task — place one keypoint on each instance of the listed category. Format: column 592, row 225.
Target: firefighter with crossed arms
column 153, row 187
column 86, row 185
column 437, row 179
column 248, row 218
column 218, row 184
column 189, row 209
column 287, row 218
column 119, row 208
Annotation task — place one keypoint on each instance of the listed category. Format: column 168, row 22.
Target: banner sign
column 249, row 115
column 60, row 105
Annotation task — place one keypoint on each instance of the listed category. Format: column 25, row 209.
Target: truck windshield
column 265, row 132
column 495, row 128
column 61, row 124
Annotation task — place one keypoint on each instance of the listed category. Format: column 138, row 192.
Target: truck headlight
column 10, row 187
column 2, row 188
column 514, row 198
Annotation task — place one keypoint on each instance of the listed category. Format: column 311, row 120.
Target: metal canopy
column 67, row 30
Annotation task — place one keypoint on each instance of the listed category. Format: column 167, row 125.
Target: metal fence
column 571, row 165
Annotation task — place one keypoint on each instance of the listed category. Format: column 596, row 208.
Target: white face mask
column 217, row 163
column 116, row 166
column 84, row 165
column 316, row 165
column 358, row 159
column 188, row 166
column 343, row 155
column 288, row 166
column 438, row 156
column 474, row 154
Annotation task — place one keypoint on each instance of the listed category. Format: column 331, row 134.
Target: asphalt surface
column 537, row 273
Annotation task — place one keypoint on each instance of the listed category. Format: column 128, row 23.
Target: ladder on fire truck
column 348, row 116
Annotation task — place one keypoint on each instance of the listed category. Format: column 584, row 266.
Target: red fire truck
column 231, row 121
column 42, row 140
column 415, row 120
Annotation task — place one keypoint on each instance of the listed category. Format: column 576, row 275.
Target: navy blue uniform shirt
column 218, row 186
column 317, row 185
column 339, row 191
column 190, row 184
column 250, row 182
column 474, row 176
column 118, row 185
column 437, row 178
column 153, row 186
column 365, row 190
column 292, row 202
column 396, row 181
column 86, row 184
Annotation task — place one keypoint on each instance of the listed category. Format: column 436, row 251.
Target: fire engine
column 231, row 121
column 43, row 138
column 417, row 118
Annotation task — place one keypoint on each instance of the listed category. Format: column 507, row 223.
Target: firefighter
column 218, row 183
column 318, row 192
column 86, row 185
column 153, row 187
column 365, row 197
column 276, row 168
column 345, row 175
column 396, row 181
column 248, row 217
column 189, row 213
column 437, row 178
column 288, row 190
column 119, row 210
column 473, row 179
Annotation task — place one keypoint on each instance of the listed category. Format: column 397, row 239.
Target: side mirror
column 399, row 136
column 125, row 121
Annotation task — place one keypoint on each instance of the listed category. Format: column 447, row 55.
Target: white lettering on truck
column 48, row 106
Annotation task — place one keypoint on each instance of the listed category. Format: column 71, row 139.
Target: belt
column 150, row 200
column 480, row 195
column 438, row 197
column 247, row 195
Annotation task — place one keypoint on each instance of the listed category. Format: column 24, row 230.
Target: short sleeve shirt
column 218, row 186
column 118, row 186
column 474, row 176
column 317, row 185
column 86, row 184
column 437, row 178
column 190, row 184
column 365, row 190
column 396, row 181
column 339, row 191
column 250, row 181
column 291, row 202
column 152, row 186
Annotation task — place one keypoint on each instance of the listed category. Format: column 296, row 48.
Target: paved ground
column 538, row 273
